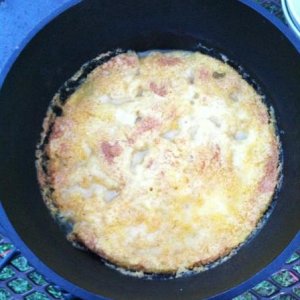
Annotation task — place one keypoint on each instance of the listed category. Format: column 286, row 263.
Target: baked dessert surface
column 162, row 162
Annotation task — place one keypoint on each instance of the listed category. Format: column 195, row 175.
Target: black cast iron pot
column 267, row 53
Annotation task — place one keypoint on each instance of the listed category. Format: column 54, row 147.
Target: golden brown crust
column 163, row 163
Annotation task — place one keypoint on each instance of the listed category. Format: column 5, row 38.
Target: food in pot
column 161, row 162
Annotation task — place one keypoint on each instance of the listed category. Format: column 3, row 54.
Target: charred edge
column 44, row 158
column 72, row 84
column 57, row 110
column 44, row 165
column 46, row 139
